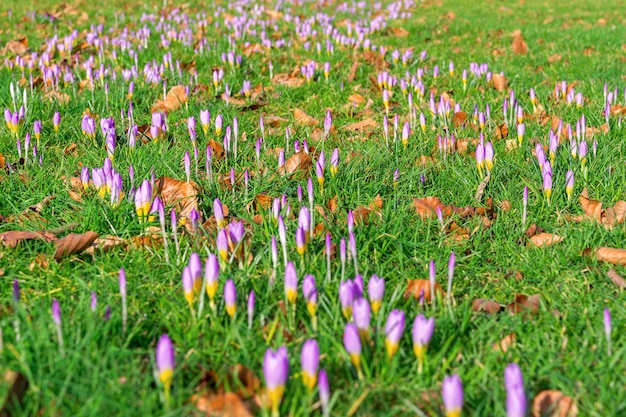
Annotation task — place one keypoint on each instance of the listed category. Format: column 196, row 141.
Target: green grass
column 107, row 372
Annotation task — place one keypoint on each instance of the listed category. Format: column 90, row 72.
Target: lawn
column 358, row 142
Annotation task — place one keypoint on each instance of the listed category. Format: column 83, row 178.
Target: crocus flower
column 230, row 298
column 205, row 120
column 361, row 313
column 520, row 133
column 211, row 275
column 188, row 285
column 310, row 360
column 143, row 198
column 515, row 396
column 219, row 124
column 291, row 283
column 301, row 238
column 422, row 332
column 251, row 302
column 319, row 172
column 324, row 391
column 218, row 212
column 452, row 393
column 122, row 285
column 489, row 156
column 310, row 296
column 56, row 121
column 165, row 363
column 16, row 291
column 393, row 331
column 582, row 152
column 37, row 130
column 607, row 329
column 352, row 343
column 346, row 296
column 547, row 185
column 275, row 371
column 376, row 291
column 480, row 157
column 195, row 267
column 56, row 317
column 406, row 131
column 222, row 244
column 569, row 183
column 282, row 236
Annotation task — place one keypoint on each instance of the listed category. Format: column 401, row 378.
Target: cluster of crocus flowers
column 275, row 371
column 484, row 157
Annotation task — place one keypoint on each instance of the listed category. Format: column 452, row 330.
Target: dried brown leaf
column 519, row 46
column 417, row 288
column 304, row 119
column 499, row 81
column 11, row 238
column 504, row 344
column 614, row 256
column 488, row 306
column 459, row 119
column 176, row 97
column 298, row 161
column 356, row 99
column 616, row 278
column 15, row 386
column 73, row 244
column 105, row 244
column 502, row 131
column 287, row 80
column 180, row 194
column 553, row 403
column 592, row 208
column 523, row 304
column 545, row 239
column 365, row 126
column 217, row 150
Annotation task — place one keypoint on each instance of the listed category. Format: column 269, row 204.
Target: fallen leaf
column 499, row 81
column 519, row 46
column 365, row 126
column 417, row 288
column 553, row 403
column 18, row 47
column 73, row 244
column 176, row 97
column 15, row 385
column 57, row 96
column 504, row 344
column 592, row 208
column 287, row 80
column 221, row 405
column 376, row 60
column 353, row 69
column 614, row 256
column 298, row 161
column 502, row 131
column 42, row 260
column 398, row 32
column 459, row 119
column 488, row 306
column 524, row 303
column 180, row 194
column 11, row 238
column 105, row 244
column 532, row 230
column 304, row 119
column 217, row 150
column 545, row 239
column 616, row 278
column 356, row 99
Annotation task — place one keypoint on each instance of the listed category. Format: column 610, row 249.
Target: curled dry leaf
column 499, row 82
column 217, row 150
column 519, row 46
column 488, row 306
column 73, row 243
column 11, row 238
column 180, row 194
column 304, row 119
column 504, row 344
column 417, row 288
column 614, row 256
column 298, row 161
column 502, row 131
column 221, row 405
column 356, row 99
column 459, row 119
column 176, row 97
column 592, row 208
column 105, row 244
column 616, row 278
column 545, row 239
column 532, row 230
column 353, row 69
column 366, row 126
column 18, row 47
column 553, row 403
column 287, row 80
column 523, row 304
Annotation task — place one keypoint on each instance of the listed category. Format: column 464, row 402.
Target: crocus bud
column 94, row 302
column 569, row 183
column 352, row 343
column 165, row 363
column 211, row 275
column 188, row 286
column 393, row 331
column 324, row 390
column 361, row 313
column 489, row 156
column 480, row 157
column 346, row 296
column 309, row 360
column 291, row 283
column 376, row 291
column 219, row 123
column 422, row 332
column 452, row 393
column 56, row 121
column 406, row 131
column 251, row 302
column 515, row 396
column 230, row 298
column 520, row 133
column 547, row 185
column 205, row 120
column 222, row 245
column 310, row 294
column 607, row 329
column 451, row 265
column 275, row 371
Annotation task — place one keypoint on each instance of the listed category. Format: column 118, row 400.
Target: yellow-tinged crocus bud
column 230, row 298
column 165, row 363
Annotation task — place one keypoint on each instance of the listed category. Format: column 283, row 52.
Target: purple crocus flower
column 324, row 391
column 422, row 332
column 275, row 371
column 291, row 283
column 376, row 291
column 515, row 396
column 251, row 302
column 94, row 301
column 211, row 275
column 393, row 331
column 16, row 291
column 230, row 298
column 361, row 314
column 452, row 394
column 122, row 285
column 352, row 343
column 346, row 296
column 607, row 329
column 165, row 363
column 310, row 360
